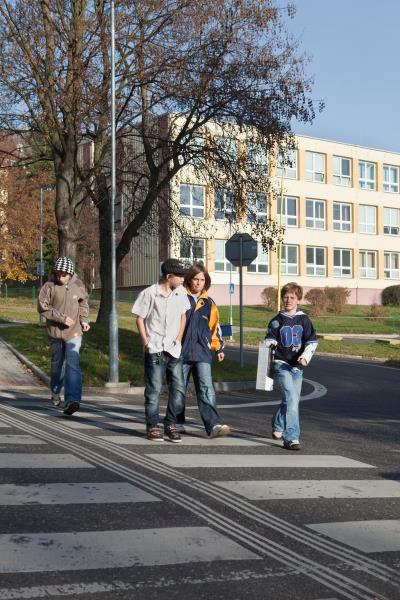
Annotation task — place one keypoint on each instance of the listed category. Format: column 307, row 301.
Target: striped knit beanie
column 64, row 264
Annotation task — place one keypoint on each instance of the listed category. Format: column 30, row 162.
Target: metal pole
column 113, row 374
column 280, row 246
column 41, row 238
column 241, row 300
column 230, row 285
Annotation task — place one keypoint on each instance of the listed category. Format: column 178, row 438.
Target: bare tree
column 179, row 70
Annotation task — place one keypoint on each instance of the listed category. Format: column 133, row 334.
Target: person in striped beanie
column 63, row 302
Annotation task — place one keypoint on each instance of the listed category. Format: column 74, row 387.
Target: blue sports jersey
column 295, row 337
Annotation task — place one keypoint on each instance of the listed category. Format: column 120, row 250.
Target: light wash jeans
column 286, row 418
column 206, row 399
column 65, row 369
column 156, row 366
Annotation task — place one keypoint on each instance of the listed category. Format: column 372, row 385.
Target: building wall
column 364, row 290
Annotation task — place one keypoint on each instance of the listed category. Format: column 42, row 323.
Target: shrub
column 337, row 299
column 391, row 296
column 376, row 310
column 317, row 301
column 269, row 296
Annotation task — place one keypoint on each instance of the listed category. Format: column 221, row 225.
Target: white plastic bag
column 265, row 379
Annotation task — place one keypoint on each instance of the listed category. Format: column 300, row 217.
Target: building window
column 287, row 165
column 390, row 179
column 193, row 151
column 341, row 171
column 289, row 260
column 315, row 261
column 256, row 207
column 341, row 216
column 391, row 221
column 256, row 158
column 192, row 200
column 315, row 214
column 192, row 250
column 221, row 262
column 315, row 167
column 260, row 264
column 341, row 262
column 367, row 219
column 225, row 152
column 289, row 211
column 367, row 264
column 392, row 263
column 366, row 174
column 224, row 205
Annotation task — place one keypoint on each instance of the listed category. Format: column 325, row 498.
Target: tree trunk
column 67, row 200
column 105, row 252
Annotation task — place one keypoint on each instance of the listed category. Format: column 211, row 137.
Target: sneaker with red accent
column 171, row 433
column 154, row 434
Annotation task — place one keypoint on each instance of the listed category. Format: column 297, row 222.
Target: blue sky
column 354, row 46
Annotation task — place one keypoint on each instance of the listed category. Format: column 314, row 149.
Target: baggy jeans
column 65, row 369
column 286, row 419
column 156, row 366
column 205, row 393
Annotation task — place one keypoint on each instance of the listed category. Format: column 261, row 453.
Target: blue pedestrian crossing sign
column 231, row 288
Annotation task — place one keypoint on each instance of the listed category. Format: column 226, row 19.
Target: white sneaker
column 55, row 399
column 277, row 435
column 219, row 431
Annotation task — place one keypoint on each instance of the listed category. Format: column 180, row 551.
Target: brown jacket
column 57, row 302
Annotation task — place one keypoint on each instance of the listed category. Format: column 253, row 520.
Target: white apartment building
column 340, row 209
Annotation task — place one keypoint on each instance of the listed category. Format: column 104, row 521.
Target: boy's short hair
column 292, row 288
column 173, row 266
column 195, row 270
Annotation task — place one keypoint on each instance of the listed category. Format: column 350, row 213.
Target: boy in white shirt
column 160, row 317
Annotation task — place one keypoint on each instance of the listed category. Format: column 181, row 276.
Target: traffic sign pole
column 241, row 302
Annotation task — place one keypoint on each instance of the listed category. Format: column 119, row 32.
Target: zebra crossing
column 119, row 431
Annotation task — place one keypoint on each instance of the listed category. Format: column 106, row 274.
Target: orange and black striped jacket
column 202, row 336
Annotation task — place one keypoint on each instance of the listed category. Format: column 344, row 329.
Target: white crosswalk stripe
column 279, row 489
column 368, row 536
column 20, row 440
column 42, row 461
column 258, row 460
column 72, row 493
column 22, row 553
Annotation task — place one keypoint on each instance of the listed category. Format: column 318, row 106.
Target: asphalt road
column 90, row 510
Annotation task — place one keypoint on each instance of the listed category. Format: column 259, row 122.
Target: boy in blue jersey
column 294, row 337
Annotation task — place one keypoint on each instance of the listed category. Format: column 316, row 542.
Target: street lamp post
column 113, row 323
column 45, row 187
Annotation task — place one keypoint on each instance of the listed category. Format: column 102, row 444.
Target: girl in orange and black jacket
column 201, row 340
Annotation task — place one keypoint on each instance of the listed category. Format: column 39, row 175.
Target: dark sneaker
column 277, row 435
column 154, row 435
column 180, row 428
column 71, row 408
column 171, row 433
column 55, row 399
column 291, row 445
column 219, row 431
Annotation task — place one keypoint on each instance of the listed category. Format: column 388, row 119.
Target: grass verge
column 31, row 341
column 364, row 348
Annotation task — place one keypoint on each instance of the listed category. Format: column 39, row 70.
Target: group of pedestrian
column 178, row 324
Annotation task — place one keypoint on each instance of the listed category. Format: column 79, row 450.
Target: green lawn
column 31, row 341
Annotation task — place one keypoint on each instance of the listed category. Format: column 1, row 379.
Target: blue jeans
column 65, row 369
column 286, row 418
column 156, row 366
column 206, row 400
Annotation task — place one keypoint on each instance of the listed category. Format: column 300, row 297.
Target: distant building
column 340, row 209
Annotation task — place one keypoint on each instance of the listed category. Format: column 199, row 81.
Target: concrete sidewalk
column 12, row 371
